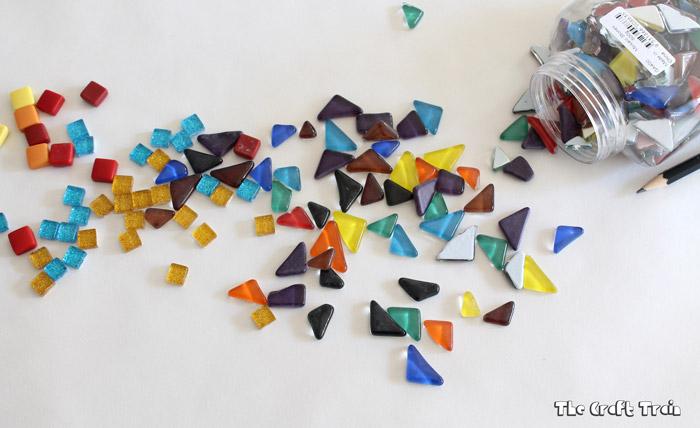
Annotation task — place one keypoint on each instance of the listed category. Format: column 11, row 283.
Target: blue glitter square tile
column 84, row 146
column 79, row 215
column 248, row 190
column 139, row 154
column 73, row 196
column 77, row 130
column 48, row 230
column 74, row 257
column 160, row 138
column 67, row 232
column 55, row 269
column 181, row 141
column 3, row 223
column 207, row 185
column 192, row 125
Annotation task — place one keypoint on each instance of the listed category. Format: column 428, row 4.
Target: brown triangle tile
column 373, row 192
column 501, row 315
column 181, row 190
column 233, row 175
column 369, row 161
column 307, row 130
column 483, row 202
column 380, row 131
column 323, row 261
column 157, row 217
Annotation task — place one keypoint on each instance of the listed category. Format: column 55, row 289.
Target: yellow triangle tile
column 470, row 308
column 351, row 229
column 445, row 158
column 535, row 279
column 405, row 173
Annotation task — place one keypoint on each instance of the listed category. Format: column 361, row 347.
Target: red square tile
column 50, row 102
column 246, row 146
column 22, row 240
column 37, row 134
column 94, row 93
column 104, row 170
column 61, row 154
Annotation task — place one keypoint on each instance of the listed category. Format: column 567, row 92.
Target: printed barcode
column 634, row 30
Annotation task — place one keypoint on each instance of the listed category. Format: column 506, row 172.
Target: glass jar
column 622, row 76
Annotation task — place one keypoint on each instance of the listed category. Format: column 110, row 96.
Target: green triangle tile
column 495, row 249
column 516, row 131
column 412, row 14
column 281, row 196
column 437, row 207
column 384, row 227
column 409, row 319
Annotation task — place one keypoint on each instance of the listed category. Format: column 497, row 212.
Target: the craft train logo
column 617, row 408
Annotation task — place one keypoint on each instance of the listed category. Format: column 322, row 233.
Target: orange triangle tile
column 330, row 238
column 425, row 170
column 440, row 332
column 323, row 261
column 369, row 161
column 250, row 291
column 470, row 175
column 380, row 131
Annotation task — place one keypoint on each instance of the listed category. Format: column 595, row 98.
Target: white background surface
column 112, row 345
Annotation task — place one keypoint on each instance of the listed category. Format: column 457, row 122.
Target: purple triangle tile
column 331, row 161
column 295, row 263
column 519, row 168
column 365, row 121
column 219, row 144
column 293, row 296
column 339, row 106
column 567, row 124
column 513, row 225
column 449, row 184
column 532, row 141
column 411, row 126
column 422, row 195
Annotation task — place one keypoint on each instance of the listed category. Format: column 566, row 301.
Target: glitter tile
column 101, row 206
column 160, row 194
column 122, row 184
column 87, row 239
column 134, row 220
column 221, row 195
column 55, row 269
column 192, row 125
column 67, row 232
column 181, row 141
column 79, row 216
column 73, row 196
column 264, row 225
column 84, row 146
column 185, row 216
column 40, row 258
column 141, row 199
column 248, row 190
column 77, row 130
column 74, row 257
column 123, row 203
column 48, row 230
column 42, row 283
column 203, row 234
column 207, row 184
column 177, row 274
column 140, row 154
column 262, row 316
column 129, row 240
column 3, row 223
column 158, row 160
column 160, row 138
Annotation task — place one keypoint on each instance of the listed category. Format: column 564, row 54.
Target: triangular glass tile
column 419, row 371
column 319, row 213
column 364, row 121
column 532, row 141
column 330, row 238
column 461, row 247
column 568, row 125
column 483, row 202
column 281, row 133
column 380, row 131
column 419, row 290
column 262, row 174
column 524, row 104
column 499, row 159
column 319, row 319
column 182, row 189
column 369, row 161
column 519, row 168
column 412, row 15
column 469, row 307
column 381, row 324
column 173, row 170
column 372, row 192
column 516, row 131
column 535, row 279
column 676, row 22
column 337, row 140
column 384, row 227
column 322, row 261
column 396, row 194
column 220, row 143
column 158, row 217
column 449, row 183
column 648, row 16
column 307, row 131
column 400, row 244
column 656, row 97
column 329, row 279
column 233, row 175
column 445, row 158
column 289, row 176
column 385, row 148
column 249, row 291
column 331, row 161
column 281, row 197
column 338, row 106
column 411, row 126
column 659, row 130
column 470, row 175
column 437, row 208
column 295, row 263
column 425, row 171
column 495, row 249
column 296, row 218
column 443, row 227
column 501, row 315
column 429, row 114
column 423, row 195
column 201, row 162
column 293, row 296
column 512, row 226
column 515, row 269
column 351, row 229
column 348, row 190
column 440, row 332
column 408, row 319
column 405, row 173
column 565, row 235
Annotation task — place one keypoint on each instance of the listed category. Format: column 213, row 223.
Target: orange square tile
column 26, row 117
column 38, row 156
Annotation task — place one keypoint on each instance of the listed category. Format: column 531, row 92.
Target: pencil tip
column 642, row 190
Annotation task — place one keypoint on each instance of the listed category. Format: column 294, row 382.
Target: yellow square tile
column 158, row 159
column 129, row 240
column 123, row 203
column 134, row 220
column 177, row 274
column 141, row 199
column 42, row 283
column 160, row 194
column 264, row 225
column 262, row 316
column 221, row 195
column 4, row 132
column 22, row 97
column 40, row 258
column 87, row 239
column 185, row 216
column 101, row 206
column 122, row 184
column 204, row 234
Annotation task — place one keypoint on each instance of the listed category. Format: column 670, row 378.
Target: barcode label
column 637, row 40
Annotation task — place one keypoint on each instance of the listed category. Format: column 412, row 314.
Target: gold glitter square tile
column 160, row 194
column 123, row 203
column 158, row 159
column 40, row 258
column 122, row 184
column 87, row 239
column 221, row 195
column 141, row 199
column 264, row 225
column 185, row 216
column 42, row 283
column 134, row 220
column 203, row 234
column 129, row 240
column 177, row 274
column 262, row 316
column 101, row 206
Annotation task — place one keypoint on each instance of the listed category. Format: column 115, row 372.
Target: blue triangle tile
column 443, row 227
column 565, row 235
column 262, row 174
column 419, row 371
column 430, row 115
column 386, row 147
column 281, row 133
column 337, row 140
column 657, row 97
column 173, row 170
column 401, row 245
column 289, row 176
